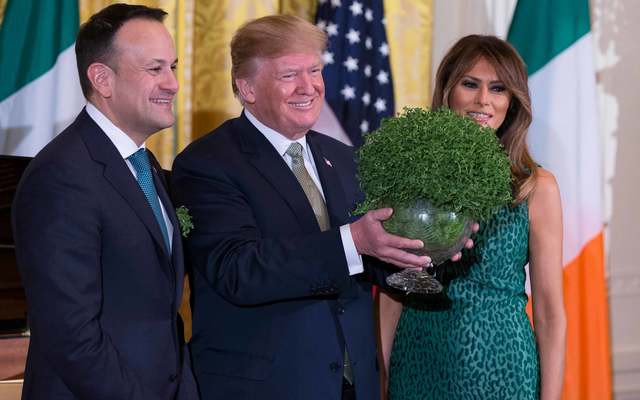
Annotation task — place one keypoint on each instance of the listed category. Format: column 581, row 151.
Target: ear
column 246, row 91
column 101, row 77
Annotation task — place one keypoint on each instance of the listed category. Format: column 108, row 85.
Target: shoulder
column 211, row 145
column 544, row 199
column 331, row 147
column 65, row 155
column 546, row 185
column 329, row 142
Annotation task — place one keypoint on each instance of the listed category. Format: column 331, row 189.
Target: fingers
column 458, row 256
column 380, row 214
column 403, row 258
column 402, row 242
column 370, row 238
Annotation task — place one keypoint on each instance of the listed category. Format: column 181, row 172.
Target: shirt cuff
column 354, row 260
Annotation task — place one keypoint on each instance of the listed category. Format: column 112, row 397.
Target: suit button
column 334, row 367
column 173, row 377
column 341, row 310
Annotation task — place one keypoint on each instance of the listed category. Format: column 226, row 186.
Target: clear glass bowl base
column 444, row 233
column 415, row 281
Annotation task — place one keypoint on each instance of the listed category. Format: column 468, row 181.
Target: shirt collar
column 277, row 140
column 125, row 145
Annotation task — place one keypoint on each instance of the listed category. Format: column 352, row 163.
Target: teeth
column 301, row 105
column 161, row 101
column 478, row 115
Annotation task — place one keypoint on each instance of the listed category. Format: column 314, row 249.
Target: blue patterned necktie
column 140, row 162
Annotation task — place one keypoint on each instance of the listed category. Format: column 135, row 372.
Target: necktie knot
column 140, row 161
column 295, row 151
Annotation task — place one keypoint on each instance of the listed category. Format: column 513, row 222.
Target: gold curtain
column 409, row 25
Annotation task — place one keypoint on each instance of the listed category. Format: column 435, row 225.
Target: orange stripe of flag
column 588, row 370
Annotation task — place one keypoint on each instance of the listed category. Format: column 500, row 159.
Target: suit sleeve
column 229, row 251
column 56, row 220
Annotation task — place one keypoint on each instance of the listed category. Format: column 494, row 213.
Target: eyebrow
column 473, row 78
column 294, row 69
column 162, row 61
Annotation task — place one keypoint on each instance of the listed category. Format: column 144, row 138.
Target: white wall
column 617, row 33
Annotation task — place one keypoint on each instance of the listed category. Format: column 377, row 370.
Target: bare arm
column 545, row 265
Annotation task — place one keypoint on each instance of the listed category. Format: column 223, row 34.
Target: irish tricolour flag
column 39, row 89
column 555, row 41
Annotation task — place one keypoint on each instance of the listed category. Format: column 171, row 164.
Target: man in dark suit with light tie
column 282, row 303
column 97, row 239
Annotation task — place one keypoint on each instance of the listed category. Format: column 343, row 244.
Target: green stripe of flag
column 32, row 35
column 542, row 29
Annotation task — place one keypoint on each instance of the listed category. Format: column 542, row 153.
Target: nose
column 482, row 96
column 305, row 84
column 170, row 81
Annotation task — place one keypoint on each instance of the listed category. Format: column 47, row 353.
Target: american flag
column 356, row 73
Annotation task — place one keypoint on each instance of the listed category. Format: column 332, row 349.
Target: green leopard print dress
column 482, row 346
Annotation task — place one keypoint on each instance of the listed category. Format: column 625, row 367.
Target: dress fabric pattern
column 482, row 346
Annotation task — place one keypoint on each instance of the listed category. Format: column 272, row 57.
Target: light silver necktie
column 310, row 189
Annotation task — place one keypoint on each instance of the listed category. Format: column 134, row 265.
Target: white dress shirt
column 126, row 147
column 281, row 143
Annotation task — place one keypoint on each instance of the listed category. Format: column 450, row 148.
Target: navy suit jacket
column 273, row 303
column 102, row 291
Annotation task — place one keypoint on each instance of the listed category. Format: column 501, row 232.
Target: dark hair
column 512, row 71
column 95, row 37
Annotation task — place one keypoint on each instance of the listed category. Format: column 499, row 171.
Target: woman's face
column 481, row 95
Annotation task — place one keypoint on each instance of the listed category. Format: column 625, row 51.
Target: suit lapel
column 264, row 157
column 331, row 187
column 119, row 176
column 177, row 260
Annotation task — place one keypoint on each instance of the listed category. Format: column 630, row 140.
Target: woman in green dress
column 479, row 344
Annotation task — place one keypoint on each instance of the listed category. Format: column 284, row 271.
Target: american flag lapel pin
column 328, row 162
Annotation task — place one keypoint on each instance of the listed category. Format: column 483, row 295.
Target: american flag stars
column 331, row 29
column 351, row 64
column 348, row 92
column 356, row 8
column 383, row 77
column 353, row 36
column 356, row 71
column 327, row 57
column 366, row 98
column 368, row 15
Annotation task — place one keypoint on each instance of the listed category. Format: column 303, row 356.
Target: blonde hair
column 270, row 37
column 512, row 71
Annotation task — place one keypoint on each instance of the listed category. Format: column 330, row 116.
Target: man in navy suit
column 97, row 239
column 281, row 297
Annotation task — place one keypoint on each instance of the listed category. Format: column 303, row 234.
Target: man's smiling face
column 286, row 93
